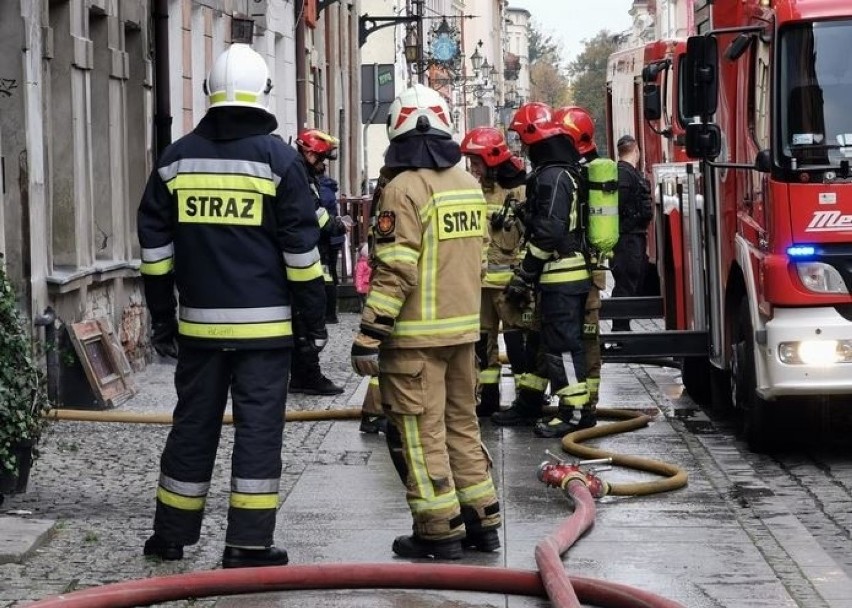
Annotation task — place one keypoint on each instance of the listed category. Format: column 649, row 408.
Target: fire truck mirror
column 699, row 80
column 651, row 102
column 763, row 161
column 738, row 46
column 703, row 140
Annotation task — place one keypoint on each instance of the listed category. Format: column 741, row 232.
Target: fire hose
column 579, row 482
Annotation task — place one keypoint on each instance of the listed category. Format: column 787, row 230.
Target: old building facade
column 86, row 101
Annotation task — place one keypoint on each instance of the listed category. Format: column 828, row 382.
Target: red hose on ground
column 562, row 589
column 212, row 583
column 548, row 552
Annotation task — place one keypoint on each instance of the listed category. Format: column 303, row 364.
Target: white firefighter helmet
column 419, row 110
column 239, row 77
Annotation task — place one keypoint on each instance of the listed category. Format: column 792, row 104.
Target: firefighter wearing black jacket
column 228, row 218
column 555, row 266
column 315, row 147
column 635, row 211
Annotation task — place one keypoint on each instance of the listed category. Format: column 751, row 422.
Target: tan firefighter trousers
column 429, row 395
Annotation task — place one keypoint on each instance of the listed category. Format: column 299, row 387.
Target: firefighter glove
column 365, row 355
column 519, row 291
column 312, row 341
column 164, row 337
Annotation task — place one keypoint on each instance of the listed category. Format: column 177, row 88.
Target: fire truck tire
column 756, row 419
column 696, row 378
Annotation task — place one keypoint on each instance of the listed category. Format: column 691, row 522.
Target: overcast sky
column 572, row 21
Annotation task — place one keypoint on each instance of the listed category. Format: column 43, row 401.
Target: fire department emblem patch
column 385, row 223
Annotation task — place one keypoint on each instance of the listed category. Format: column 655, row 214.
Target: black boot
column 525, row 410
column 373, row 424
column 489, row 400
column 414, row 546
column 314, row 385
column 566, row 420
column 156, row 546
column 484, row 540
column 235, row 557
column 331, row 303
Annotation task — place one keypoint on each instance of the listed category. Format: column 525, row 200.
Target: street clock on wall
column 444, row 49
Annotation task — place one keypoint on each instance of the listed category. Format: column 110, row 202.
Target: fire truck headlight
column 820, row 277
column 816, row 352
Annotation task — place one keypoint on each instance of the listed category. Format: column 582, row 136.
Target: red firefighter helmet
column 578, row 124
column 320, row 143
column 533, row 122
column 488, row 144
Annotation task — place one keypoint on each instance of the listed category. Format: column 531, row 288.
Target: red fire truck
column 764, row 214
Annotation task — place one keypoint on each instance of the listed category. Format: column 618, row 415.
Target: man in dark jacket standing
column 330, row 245
column 316, row 147
column 635, row 211
column 228, row 218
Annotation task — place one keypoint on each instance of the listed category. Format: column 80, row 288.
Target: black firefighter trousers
column 257, row 381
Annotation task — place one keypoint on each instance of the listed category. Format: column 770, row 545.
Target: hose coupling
column 560, row 473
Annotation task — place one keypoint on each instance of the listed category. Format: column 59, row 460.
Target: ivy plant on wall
column 23, row 393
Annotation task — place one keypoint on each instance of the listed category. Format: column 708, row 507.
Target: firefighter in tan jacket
column 419, row 326
column 502, row 177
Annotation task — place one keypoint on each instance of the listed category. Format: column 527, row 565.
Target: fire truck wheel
column 696, row 378
column 756, row 419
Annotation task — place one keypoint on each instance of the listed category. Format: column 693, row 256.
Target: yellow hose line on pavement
column 630, row 420
column 157, row 418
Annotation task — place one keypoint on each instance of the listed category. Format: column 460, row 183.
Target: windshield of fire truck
column 815, row 93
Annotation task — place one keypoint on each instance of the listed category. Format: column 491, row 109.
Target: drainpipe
column 162, row 109
column 366, row 177
column 51, row 353
column 301, row 81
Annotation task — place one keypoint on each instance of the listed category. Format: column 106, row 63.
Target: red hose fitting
column 559, row 474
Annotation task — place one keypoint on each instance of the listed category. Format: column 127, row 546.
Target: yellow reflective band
column 476, row 492
column 429, row 273
column 532, row 382
column 221, row 181
column 541, row 254
column 567, row 263
column 489, row 375
column 416, row 457
column 569, row 276
column 237, row 331
column 157, row 268
column 575, row 395
column 184, row 503
column 461, row 221
column 444, row 502
column 383, row 302
column 593, row 384
column 236, row 208
column 300, row 275
column 397, row 253
column 437, row 327
column 222, row 96
column 254, row 501
column 322, row 217
column 374, row 381
column 499, row 279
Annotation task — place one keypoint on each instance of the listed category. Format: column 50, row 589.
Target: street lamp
column 476, row 58
column 412, row 46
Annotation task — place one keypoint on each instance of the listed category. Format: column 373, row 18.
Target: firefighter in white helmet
column 419, row 326
column 228, row 219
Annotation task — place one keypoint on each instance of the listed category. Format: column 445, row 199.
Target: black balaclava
column 235, row 122
column 422, row 152
column 508, row 175
column 558, row 150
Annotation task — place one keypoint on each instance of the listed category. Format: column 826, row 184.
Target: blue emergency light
column 801, row 251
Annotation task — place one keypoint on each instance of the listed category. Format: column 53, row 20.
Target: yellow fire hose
column 630, row 420
column 156, row 418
